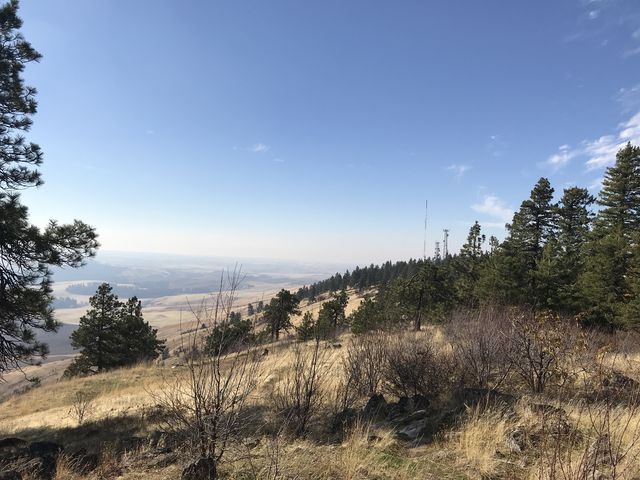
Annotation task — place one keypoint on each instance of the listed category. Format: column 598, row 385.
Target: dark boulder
column 45, row 449
column 376, row 407
column 11, row 448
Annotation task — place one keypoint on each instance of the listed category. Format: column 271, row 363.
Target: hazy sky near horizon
column 316, row 130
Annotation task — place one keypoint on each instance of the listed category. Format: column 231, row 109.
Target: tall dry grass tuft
column 480, row 436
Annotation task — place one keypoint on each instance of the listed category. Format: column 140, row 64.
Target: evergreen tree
column 26, row 252
column 279, row 310
column 532, row 226
column 112, row 334
column 610, row 273
column 620, row 195
column 138, row 340
column 307, row 328
column 468, row 264
column 228, row 336
column 332, row 312
column 250, row 310
column 97, row 334
column 574, row 222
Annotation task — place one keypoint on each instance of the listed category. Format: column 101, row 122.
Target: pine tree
column 278, row 312
column 26, row 252
column 620, row 195
column 610, row 275
column 112, row 334
column 532, row 226
column 574, row 222
column 307, row 328
column 469, row 264
column 97, row 334
column 138, row 340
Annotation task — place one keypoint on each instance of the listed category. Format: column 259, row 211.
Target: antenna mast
column 424, row 244
column 445, row 245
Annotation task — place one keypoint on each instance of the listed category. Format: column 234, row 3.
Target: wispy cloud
column 631, row 52
column 628, row 98
column 458, row 170
column 278, row 160
column 260, row 148
column 600, row 152
column 494, row 207
column 563, row 156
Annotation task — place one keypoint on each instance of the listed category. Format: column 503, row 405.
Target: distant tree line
column 578, row 256
column 361, row 278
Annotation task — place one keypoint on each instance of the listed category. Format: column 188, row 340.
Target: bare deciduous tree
column 413, row 366
column 298, row 396
column 80, row 406
column 364, row 360
column 204, row 403
column 480, row 347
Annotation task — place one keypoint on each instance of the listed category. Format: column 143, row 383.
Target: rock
column 376, row 407
column 265, row 352
column 618, row 386
column 516, row 440
column 336, row 345
column 202, row 469
column 413, row 431
column 414, row 417
column 45, row 449
column 251, row 442
column 11, row 447
column 406, row 406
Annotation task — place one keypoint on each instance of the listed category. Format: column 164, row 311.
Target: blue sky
column 316, row 130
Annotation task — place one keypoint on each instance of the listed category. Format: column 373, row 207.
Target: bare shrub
column 539, row 347
column 607, row 447
column 344, row 396
column 480, row 347
column 299, row 395
column 205, row 404
column 364, row 361
column 413, row 366
column 80, row 406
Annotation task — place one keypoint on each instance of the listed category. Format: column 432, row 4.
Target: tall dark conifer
column 26, row 252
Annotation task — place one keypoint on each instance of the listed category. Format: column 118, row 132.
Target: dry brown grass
column 475, row 448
